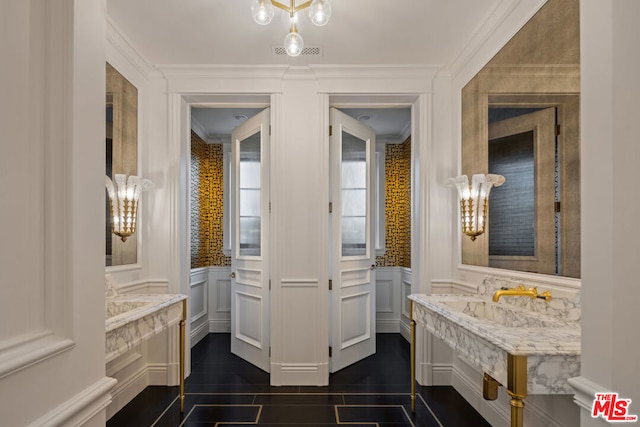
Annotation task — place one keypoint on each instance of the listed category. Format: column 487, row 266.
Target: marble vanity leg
column 184, row 317
column 517, row 387
column 413, row 357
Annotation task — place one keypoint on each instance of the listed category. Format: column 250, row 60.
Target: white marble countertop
column 133, row 318
column 139, row 306
column 563, row 338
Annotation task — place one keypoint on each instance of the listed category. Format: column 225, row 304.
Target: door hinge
column 269, row 351
column 269, row 207
column 269, row 130
column 558, row 206
column 269, row 284
column 330, row 284
column 557, row 130
column 330, row 207
column 330, row 130
column 330, row 352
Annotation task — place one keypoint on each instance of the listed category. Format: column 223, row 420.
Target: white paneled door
column 352, row 270
column 250, row 337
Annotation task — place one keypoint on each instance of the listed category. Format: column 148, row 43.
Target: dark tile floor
column 224, row 390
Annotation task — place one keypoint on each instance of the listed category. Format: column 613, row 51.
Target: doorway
column 229, row 186
column 370, row 227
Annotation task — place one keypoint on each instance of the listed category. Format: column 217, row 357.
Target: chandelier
column 123, row 199
column 319, row 13
column 474, row 201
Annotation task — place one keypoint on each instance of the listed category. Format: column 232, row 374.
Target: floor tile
column 224, row 388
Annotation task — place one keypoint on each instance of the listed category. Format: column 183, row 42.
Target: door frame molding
column 180, row 87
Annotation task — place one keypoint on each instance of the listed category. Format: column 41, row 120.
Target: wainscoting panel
column 199, row 304
column 219, row 299
column 388, row 299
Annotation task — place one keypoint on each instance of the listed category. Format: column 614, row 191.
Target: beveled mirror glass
column 521, row 119
column 121, row 156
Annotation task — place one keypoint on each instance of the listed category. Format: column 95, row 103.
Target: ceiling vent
column 307, row 51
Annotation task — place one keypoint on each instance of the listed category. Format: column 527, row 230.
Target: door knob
column 373, row 266
column 232, row 275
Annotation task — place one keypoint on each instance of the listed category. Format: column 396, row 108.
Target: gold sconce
column 474, row 201
column 123, row 200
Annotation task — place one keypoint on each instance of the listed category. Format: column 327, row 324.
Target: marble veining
column 133, row 318
column 483, row 332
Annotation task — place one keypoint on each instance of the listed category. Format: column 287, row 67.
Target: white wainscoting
column 211, row 301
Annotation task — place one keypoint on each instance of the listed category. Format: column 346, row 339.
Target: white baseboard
column 306, row 374
column 127, row 389
column 385, row 326
column 198, row 333
column 405, row 329
column 219, row 326
column 85, row 408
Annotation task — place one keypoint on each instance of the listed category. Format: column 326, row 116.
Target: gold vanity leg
column 184, row 317
column 517, row 387
column 413, row 357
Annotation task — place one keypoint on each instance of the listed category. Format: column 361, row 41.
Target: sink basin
column 117, row 307
column 511, row 317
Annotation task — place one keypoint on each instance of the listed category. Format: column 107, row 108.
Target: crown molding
column 227, row 71
column 500, row 25
column 375, row 71
column 118, row 41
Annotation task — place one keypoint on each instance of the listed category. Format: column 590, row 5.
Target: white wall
column 610, row 62
column 52, row 339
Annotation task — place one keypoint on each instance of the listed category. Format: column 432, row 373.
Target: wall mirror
column 121, row 156
column 521, row 119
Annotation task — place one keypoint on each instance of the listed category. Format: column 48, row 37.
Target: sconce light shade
column 474, row 201
column 123, row 199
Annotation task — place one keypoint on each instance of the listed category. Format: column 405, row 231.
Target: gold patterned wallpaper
column 207, row 210
column 397, row 206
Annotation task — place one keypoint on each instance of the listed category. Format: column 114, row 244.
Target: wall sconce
column 474, row 201
column 123, row 200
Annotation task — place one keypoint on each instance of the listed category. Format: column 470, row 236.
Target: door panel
column 352, row 152
column 250, row 337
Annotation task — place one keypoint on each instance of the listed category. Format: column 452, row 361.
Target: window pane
column 249, row 196
column 354, row 202
column 250, row 236
column 354, row 196
column 249, row 202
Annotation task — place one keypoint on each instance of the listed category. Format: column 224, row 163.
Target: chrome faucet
column 521, row 291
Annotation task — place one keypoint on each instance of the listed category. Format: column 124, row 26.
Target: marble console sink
column 485, row 333
column 131, row 319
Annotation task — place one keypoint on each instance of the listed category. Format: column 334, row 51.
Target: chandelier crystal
column 319, row 14
column 474, row 201
column 123, row 199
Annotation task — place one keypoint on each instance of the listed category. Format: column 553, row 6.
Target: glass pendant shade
column 474, row 201
column 262, row 11
column 123, row 199
column 293, row 42
column 320, row 12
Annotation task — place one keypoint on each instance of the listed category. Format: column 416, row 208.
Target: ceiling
column 380, row 32
column 416, row 32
